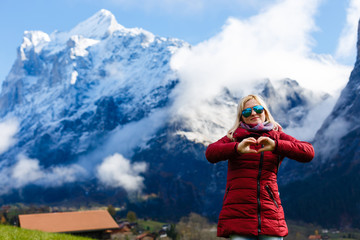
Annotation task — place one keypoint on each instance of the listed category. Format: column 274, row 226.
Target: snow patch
column 74, row 76
column 79, row 45
column 99, row 26
column 36, row 40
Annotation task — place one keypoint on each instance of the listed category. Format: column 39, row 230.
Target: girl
column 254, row 147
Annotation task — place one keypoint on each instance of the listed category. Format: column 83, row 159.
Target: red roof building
column 315, row 237
column 83, row 223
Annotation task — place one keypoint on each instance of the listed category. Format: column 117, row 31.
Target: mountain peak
column 99, row 26
column 33, row 39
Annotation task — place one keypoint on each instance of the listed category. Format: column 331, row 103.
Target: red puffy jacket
column 251, row 204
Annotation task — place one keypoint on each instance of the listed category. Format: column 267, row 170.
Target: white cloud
column 28, row 171
column 117, row 171
column 8, row 129
column 321, row 111
column 124, row 139
column 331, row 137
column 274, row 44
column 58, row 175
column 347, row 42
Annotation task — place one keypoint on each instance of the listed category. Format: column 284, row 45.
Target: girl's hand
column 269, row 144
column 244, row 145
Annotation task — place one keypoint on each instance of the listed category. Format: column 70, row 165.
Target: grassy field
column 300, row 231
column 15, row 233
column 150, row 225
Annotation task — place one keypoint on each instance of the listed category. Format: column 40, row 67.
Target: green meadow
column 15, row 233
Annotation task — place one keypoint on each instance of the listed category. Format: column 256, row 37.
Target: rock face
column 330, row 190
column 100, row 89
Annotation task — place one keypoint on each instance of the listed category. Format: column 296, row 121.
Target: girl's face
column 254, row 118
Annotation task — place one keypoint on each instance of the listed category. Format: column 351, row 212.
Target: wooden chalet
column 96, row 224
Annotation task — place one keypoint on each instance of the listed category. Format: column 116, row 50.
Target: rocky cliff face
column 342, row 125
column 329, row 194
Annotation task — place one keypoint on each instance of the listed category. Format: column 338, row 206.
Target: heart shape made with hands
column 267, row 145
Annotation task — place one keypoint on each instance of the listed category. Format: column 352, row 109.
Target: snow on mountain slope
column 70, row 91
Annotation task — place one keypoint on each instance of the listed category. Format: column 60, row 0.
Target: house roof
column 315, row 237
column 145, row 234
column 82, row 221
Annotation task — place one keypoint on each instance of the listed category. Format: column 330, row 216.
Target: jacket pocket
column 271, row 195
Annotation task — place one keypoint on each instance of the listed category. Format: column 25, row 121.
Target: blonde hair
column 240, row 108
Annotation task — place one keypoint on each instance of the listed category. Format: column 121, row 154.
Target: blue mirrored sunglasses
column 247, row 111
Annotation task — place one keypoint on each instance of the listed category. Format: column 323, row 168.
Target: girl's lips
column 255, row 120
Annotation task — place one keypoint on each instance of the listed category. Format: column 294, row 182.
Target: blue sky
column 189, row 20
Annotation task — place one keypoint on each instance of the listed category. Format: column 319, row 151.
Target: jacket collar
column 241, row 133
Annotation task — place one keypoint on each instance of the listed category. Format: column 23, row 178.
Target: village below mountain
column 116, row 223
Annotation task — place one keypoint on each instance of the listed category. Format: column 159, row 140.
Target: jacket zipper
column 271, row 195
column 258, row 191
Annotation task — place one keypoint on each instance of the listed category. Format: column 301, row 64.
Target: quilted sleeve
column 221, row 150
column 290, row 147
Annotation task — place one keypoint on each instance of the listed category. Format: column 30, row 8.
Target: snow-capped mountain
column 98, row 119
column 72, row 88
column 82, row 96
